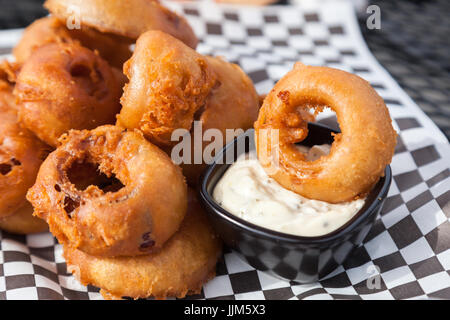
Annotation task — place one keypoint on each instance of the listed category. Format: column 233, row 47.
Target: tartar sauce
column 246, row 191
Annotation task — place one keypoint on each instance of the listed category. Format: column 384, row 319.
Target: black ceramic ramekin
column 290, row 257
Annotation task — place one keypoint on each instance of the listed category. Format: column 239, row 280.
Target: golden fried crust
column 358, row 155
column 128, row 18
column 181, row 267
column 109, row 192
column 233, row 104
column 47, row 30
column 8, row 77
column 41, row 32
column 64, row 86
column 171, row 85
column 168, row 83
column 23, row 221
column 21, row 153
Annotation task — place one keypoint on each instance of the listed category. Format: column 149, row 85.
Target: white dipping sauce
column 246, row 191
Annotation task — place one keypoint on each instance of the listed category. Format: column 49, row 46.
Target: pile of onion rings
column 108, row 195
column 105, row 192
column 123, row 224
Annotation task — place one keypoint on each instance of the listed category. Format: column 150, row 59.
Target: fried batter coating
column 112, row 48
column 168, row 83
column 21, row 153
column 358, row 155
column 8, row 77
column 23, row 222
column 109, row 192
column 171, row 85
column 181, row 267
column 129, row 18
column 65, row 86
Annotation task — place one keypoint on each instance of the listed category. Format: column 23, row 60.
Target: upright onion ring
column 168, row 83
column 128, row 18
column 359, row 154
column 109, row 192
column 65, row 86
column 171, row 86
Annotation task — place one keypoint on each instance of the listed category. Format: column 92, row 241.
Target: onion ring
column 181, row 267
column 47, row 30
column 65, row 86
column 171, row 85
column 125, row 18
column 358, row 155
column 23, row 222
column 168, row 83
column 21, row 153
column 109, row 192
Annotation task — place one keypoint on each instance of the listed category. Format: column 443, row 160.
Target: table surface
column 412, row 44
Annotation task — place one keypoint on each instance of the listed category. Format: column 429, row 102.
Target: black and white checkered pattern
column 407, row 253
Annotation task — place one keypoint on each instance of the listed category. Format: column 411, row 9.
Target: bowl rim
column 260, row 231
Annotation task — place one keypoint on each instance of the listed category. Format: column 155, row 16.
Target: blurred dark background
column 413, row 44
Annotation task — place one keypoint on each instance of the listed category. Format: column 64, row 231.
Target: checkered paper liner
column 409, row 243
